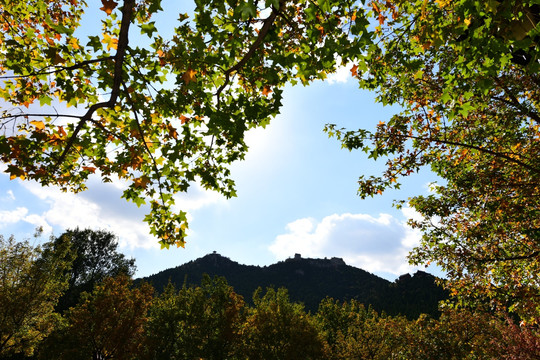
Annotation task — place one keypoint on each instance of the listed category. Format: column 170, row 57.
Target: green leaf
column 274, row 3
column 247, row 10
column 149, row 29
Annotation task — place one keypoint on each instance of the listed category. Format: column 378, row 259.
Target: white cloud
column 12, row 216
column 342, row 75
column 39, row 221
column 101, row 207
column 197, row 197
column 376, row 244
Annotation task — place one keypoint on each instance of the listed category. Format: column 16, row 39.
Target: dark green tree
column 96, row 258
column 354, row 332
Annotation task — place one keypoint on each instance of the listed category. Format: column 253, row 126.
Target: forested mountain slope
column 311, row 280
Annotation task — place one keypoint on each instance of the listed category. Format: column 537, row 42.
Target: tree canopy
column 162, row 113
column 32, row 280
column 96, row 257
column 159, row 113
column 466, row 75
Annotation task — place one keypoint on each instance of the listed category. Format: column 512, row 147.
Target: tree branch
column 123, row 40
column 469, row 146
column 515, row 101
column 509, row 258
column 267, row 24
column 58, row 69
column 150, row 154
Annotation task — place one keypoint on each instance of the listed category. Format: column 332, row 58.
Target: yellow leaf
column 38, row 124
column 189, row 76
column 112, row 43
column 74, row 43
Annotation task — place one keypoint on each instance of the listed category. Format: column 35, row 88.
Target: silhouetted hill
column 311, row 280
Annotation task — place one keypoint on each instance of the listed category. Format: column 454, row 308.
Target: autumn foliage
column 465, row 74
column 126, row 104
column 163, row 113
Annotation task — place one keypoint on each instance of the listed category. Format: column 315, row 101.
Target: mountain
column 311, row 280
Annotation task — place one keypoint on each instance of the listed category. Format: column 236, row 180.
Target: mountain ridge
column 310, row 280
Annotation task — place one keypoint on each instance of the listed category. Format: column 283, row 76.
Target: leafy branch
column 267, row 25
column 123, row 40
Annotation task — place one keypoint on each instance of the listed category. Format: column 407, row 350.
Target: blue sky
column 296, row 194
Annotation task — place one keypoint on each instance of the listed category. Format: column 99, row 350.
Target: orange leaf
column 184, row 119
column 189, row 76
column 354, row 70
column 266, row 90
column 172, row 132
column 89, row 168
column 108, row 6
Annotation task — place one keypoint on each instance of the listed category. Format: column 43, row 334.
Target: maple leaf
column 89, row 168
column 61, row 131
column 58, row 59
column 184, row 119
column 354, row 70
column 38, row 124
column 110, row 41
column 141, row 182
column 172, row 132
column 189, row 76
column 266, row 90
column 108, row 6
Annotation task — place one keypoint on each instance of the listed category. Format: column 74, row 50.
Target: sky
column 296, row 193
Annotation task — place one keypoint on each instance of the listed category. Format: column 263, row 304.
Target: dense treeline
column 117, row 320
